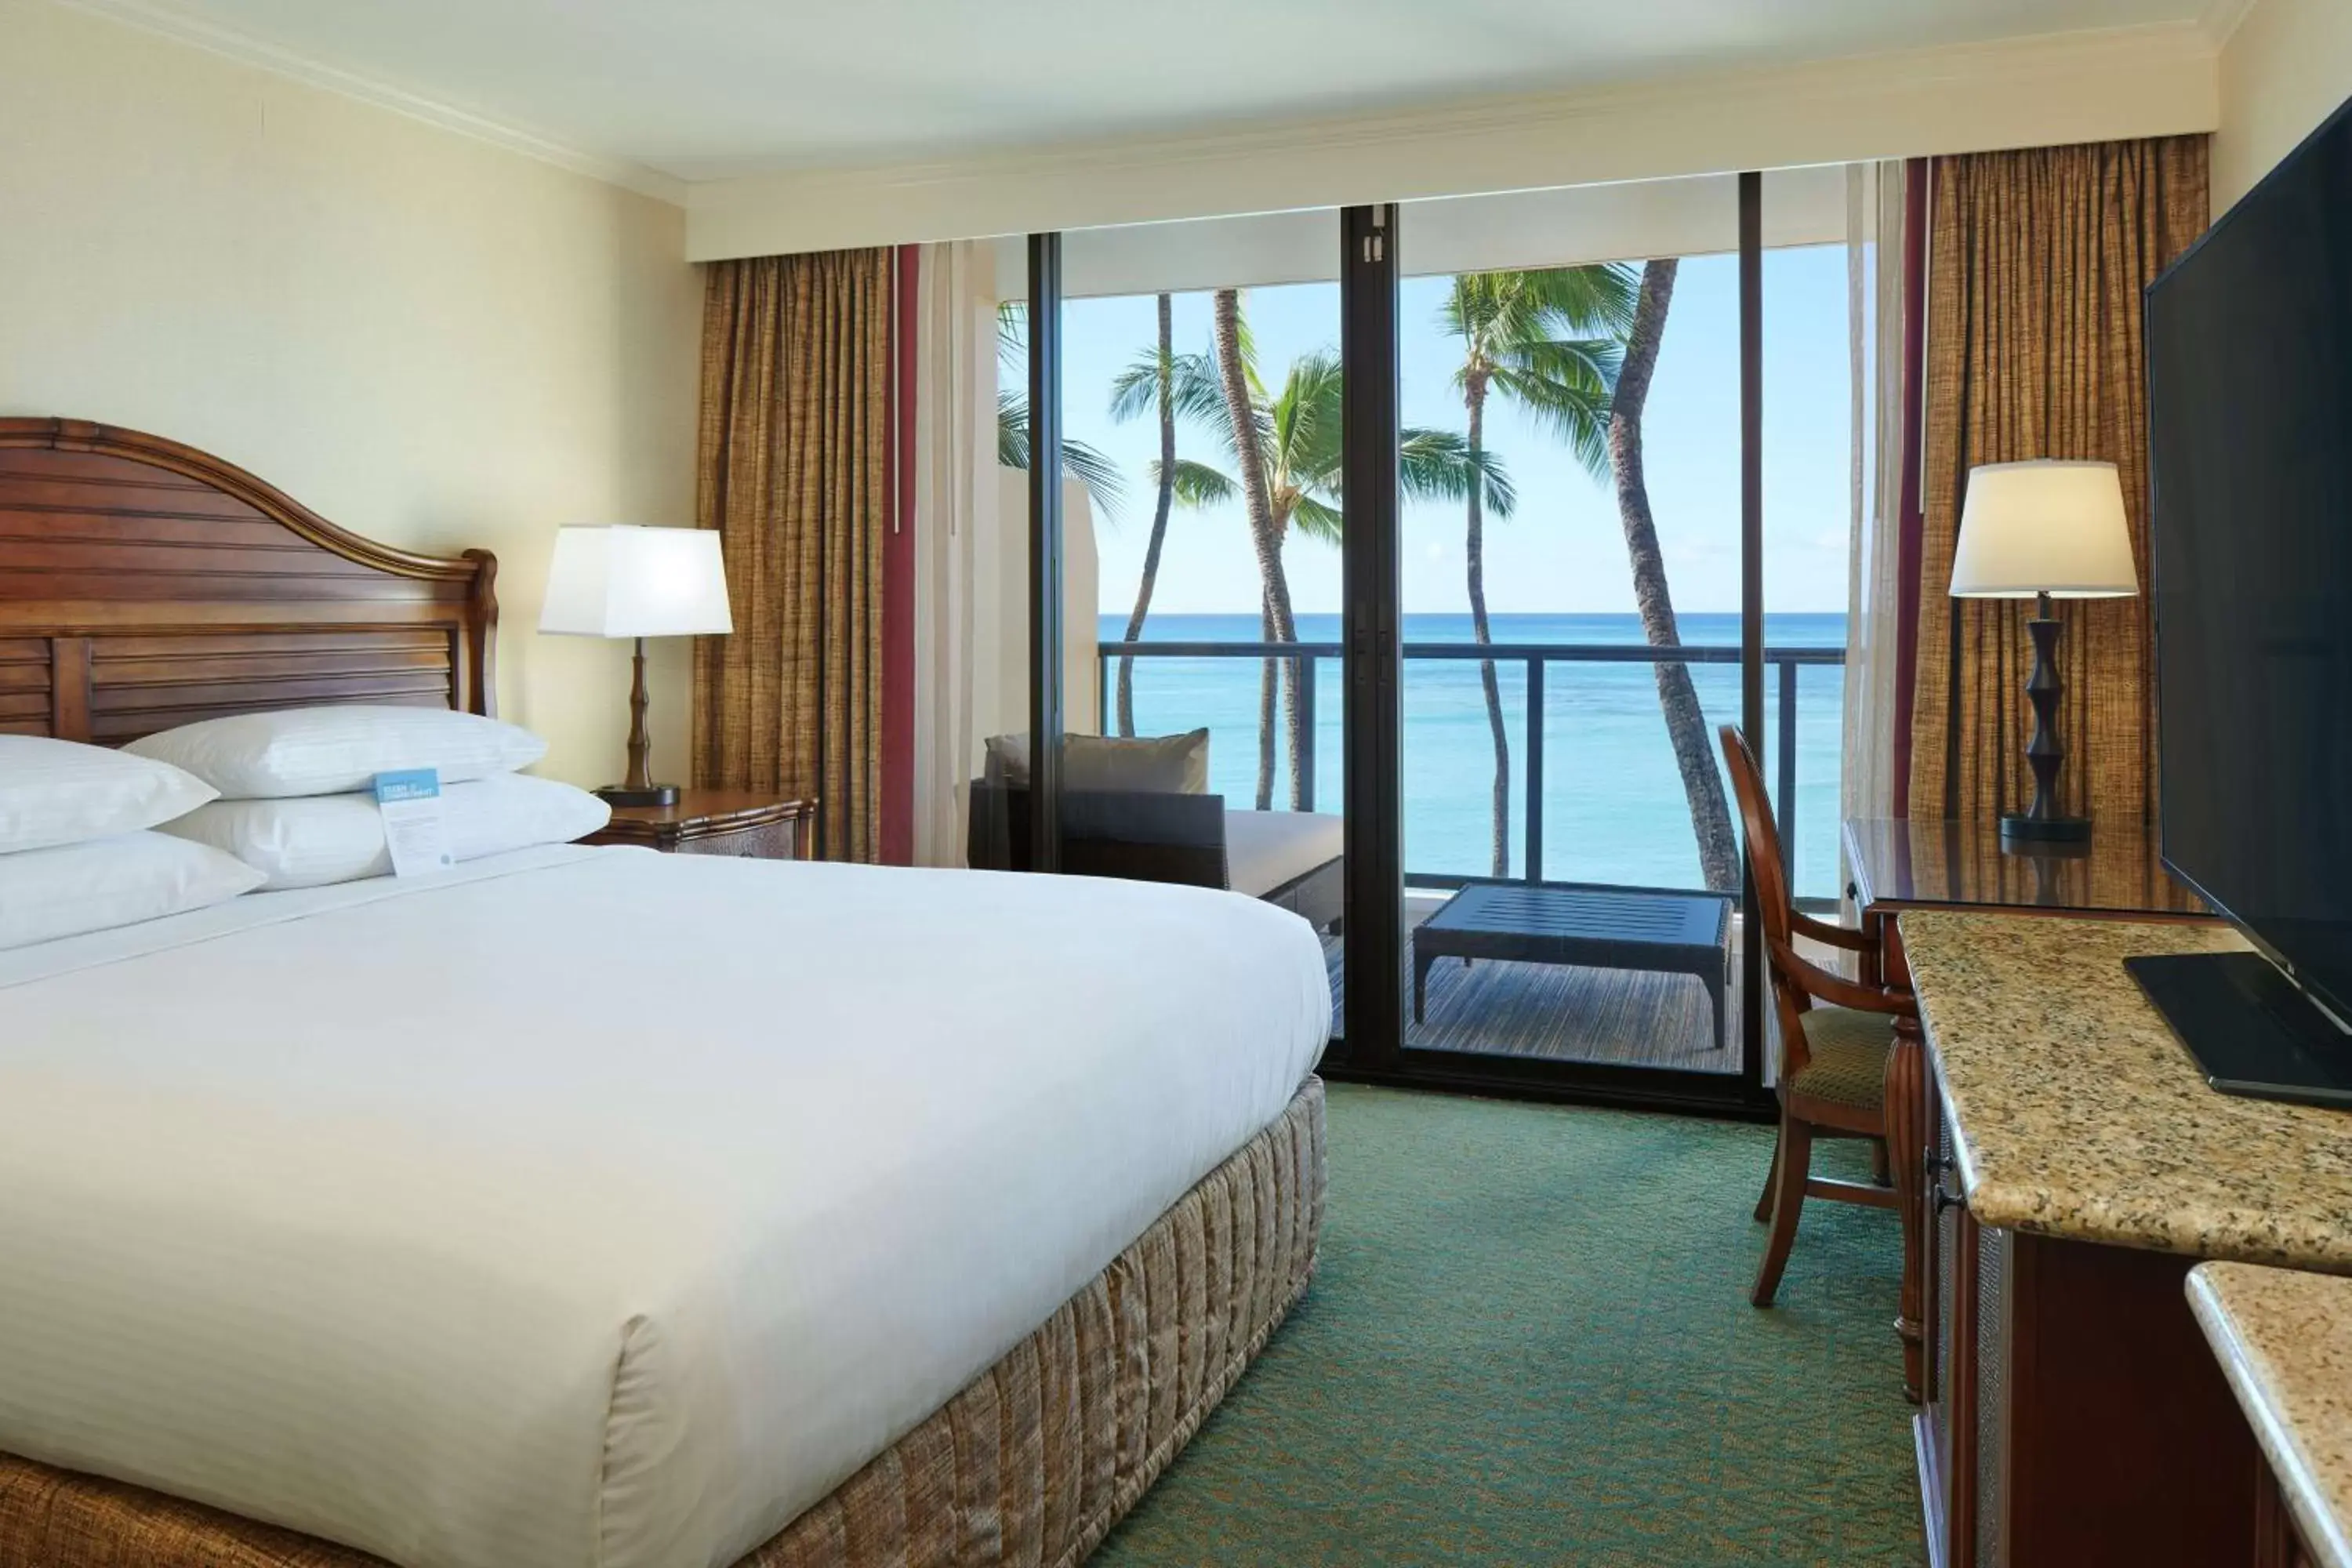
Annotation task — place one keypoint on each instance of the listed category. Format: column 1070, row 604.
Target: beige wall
column 428, row 340
column 2285, row 69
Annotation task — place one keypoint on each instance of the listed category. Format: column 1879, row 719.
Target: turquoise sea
column 1613, row 804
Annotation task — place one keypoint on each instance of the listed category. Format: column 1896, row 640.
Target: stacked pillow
column 77, row 853
column 295, row 786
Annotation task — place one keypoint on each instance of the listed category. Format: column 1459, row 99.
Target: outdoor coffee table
column 1580, row 926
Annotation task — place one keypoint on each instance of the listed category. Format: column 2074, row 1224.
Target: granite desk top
column 2285, row 1341
column 2079, row 1115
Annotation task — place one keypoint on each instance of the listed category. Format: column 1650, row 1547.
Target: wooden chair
column 1834, row 1036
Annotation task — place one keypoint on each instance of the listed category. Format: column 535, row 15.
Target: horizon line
column 1494, row 615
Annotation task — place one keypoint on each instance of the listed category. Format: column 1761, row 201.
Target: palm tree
column 1161, row 368
column 1549, row 340
column 1097, row 472
column 1277, row 624
column 1296, row 434
column 1719, row 851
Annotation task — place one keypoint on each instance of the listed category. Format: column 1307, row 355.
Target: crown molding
column 2057, row 89
column 167, row 21
column 2221, row 18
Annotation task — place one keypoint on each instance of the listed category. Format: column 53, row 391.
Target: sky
column 1563, row 551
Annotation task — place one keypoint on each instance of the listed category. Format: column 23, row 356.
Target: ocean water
column 1613, row 804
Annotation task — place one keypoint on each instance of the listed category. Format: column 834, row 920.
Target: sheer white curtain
column 1875, row 205
column 955, row 505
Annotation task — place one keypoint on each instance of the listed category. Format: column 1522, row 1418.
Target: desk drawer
column 1966, row 1397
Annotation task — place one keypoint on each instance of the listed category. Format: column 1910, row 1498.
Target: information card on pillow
column 413, row 830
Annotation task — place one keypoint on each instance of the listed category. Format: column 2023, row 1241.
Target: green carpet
column 1530, row 1342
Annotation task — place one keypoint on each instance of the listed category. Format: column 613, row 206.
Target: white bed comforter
column 595, row 1207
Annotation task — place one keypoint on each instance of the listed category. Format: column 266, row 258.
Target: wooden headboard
column 145, row 585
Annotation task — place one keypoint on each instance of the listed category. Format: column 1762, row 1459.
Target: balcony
column 1588, row 805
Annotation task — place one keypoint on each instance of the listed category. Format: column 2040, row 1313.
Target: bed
column 589, row 1206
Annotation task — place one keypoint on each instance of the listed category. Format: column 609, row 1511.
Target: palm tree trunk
column 1474, row 551
column 1719, row 851
column 1225, row 329
column 1267, row 686
column 1159, row 516
column 1293, row 730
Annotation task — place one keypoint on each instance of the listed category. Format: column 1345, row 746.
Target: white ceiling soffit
column 2087, row 87
column 1569, row 227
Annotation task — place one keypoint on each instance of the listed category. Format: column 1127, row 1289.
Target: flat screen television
column 2249, row 340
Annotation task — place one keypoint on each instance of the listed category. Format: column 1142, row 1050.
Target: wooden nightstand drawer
column 718, row 821
column 770, row 841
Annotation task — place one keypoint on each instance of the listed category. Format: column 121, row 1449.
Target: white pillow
column 332, row 751
column 61, row 792
column 340, row 837
column 45, row 894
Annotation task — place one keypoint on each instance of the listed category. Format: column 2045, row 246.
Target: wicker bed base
column 1033, row 1463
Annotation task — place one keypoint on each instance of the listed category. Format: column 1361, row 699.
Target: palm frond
column 1011, row 428
column 1100, row 474
column 1550, row 340
column 1134, row 391
column 1317, row 520
column 1192, row 387
column 1435, row 465
column 1566, row 396
column 1197, row 485
column 1011, row 332
column 1586, row 301
column 1303, row 451
column 1586, row 367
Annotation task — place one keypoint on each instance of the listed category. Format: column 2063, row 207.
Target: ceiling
column 699, row 89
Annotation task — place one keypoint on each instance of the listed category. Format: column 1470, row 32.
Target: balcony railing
column 1783, row 662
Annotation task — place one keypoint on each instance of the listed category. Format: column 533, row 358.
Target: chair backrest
column 1763, row 833
column 1790, row 999
column 1137, row 836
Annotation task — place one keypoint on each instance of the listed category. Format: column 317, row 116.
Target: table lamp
column 2041, row 530
column 639, row 582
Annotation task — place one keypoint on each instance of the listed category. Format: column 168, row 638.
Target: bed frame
column 145, row 585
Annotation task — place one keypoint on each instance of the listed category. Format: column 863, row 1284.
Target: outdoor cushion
column 1265, row 849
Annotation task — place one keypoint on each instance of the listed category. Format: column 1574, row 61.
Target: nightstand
column 747, row 822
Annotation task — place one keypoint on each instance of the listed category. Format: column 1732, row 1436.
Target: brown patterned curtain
column 2037, row 259
column 793, row 457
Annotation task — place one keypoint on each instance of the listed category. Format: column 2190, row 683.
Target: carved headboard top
column 145, row 585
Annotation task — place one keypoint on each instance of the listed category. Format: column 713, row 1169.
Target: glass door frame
column 1046, row 609
column 1374, row 1049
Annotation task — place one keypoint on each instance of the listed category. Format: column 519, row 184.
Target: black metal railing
column 1784, row 662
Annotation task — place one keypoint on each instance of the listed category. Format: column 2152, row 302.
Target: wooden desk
column 2284, row 1340
column 2075, row 1415
column 1901, row 865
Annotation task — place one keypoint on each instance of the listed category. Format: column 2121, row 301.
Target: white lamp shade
column 624, row 582
column 2044, row 527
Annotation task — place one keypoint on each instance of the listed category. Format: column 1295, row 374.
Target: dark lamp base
column 655, row 795
column 2016, row 829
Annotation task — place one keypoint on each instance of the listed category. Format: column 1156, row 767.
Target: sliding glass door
column 1196, row 373
column 1445, row 543
column 1548, row 534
